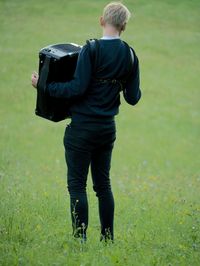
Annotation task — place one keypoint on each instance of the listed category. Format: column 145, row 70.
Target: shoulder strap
column 44, row 74
column 94, row 51
column 131, row 62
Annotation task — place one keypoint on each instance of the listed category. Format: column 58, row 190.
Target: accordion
column 56, row 63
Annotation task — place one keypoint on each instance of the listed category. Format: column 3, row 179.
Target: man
column 99, row 77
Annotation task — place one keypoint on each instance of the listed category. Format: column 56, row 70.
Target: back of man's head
column 116, row 14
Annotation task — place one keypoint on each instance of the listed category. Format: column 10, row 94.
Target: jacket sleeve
column 132, row 92
column 79, row 84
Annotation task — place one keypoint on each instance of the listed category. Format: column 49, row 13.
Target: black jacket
column 90, row 96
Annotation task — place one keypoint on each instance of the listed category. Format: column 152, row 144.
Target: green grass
column 155, row 169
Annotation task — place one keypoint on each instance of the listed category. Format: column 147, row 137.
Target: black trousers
column 90, row 144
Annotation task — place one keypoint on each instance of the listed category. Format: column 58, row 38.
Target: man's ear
column 123, row 27
column 102, row 23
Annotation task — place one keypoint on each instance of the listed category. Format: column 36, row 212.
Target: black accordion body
column 56, row 63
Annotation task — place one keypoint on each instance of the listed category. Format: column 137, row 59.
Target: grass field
column 156, row 161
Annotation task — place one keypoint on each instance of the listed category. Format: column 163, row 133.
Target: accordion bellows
column 56, row 63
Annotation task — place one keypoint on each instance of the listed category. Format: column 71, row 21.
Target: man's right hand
column 34, row 79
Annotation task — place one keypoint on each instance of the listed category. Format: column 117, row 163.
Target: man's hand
column 34, row 79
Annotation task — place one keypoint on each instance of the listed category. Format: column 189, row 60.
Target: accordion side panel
column 60, row 69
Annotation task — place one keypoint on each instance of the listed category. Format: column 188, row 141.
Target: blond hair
column 116, row 14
